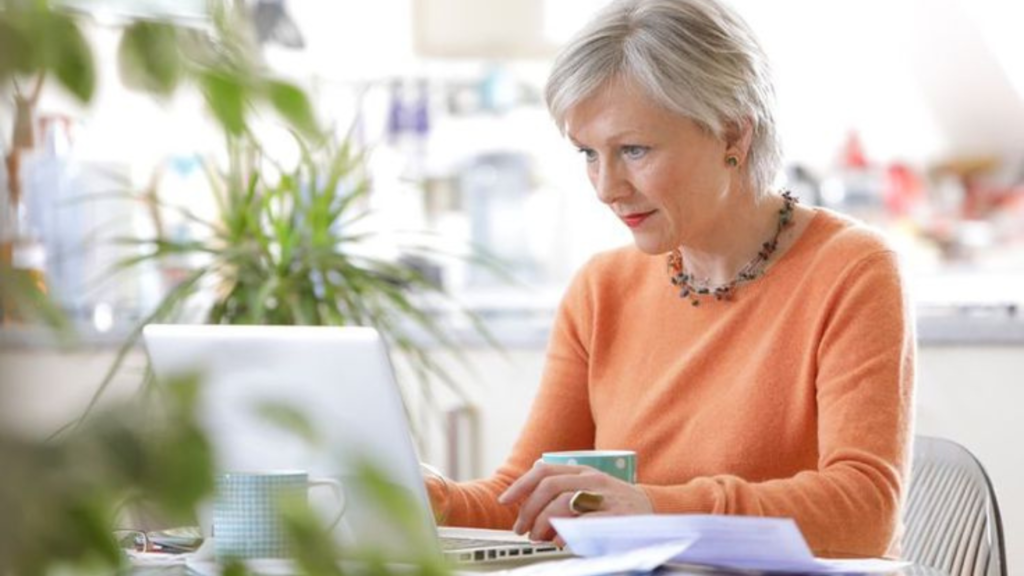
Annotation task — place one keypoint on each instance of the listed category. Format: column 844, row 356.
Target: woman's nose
column 609, row 183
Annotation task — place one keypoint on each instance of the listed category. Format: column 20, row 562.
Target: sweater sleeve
column 849, row 505
column 559, row 419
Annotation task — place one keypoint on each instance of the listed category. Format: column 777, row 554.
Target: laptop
column 341, row 380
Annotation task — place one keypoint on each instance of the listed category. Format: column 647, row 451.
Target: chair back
column 951, row 517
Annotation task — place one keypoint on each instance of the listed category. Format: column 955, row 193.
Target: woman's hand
column 544, row 493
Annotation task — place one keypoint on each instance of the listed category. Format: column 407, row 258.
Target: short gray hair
column 697, row 58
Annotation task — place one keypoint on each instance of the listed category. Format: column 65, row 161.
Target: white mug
column 247, row 521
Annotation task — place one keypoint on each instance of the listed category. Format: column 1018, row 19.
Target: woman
column 757, row 354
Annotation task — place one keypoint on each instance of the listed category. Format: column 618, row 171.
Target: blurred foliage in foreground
column 59, row 499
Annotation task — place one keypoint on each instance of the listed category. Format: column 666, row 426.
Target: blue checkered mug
column 247, row 520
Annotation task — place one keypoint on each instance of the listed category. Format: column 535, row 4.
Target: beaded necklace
column 690, row 287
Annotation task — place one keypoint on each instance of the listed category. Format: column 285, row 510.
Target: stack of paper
column 730, row 542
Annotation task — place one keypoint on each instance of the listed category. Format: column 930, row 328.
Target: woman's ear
column 738, row 136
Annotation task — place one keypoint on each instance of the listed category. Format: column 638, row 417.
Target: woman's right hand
column 545, row 492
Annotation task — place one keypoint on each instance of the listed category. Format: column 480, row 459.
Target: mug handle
column 338, row 490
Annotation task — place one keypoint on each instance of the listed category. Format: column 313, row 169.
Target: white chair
column 951, row 515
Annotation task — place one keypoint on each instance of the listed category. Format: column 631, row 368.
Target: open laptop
column 341, row 380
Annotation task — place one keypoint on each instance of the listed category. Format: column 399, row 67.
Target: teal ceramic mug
column 618, row 463
column 247, row 520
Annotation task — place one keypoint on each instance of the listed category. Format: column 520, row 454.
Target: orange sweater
column 793, row 399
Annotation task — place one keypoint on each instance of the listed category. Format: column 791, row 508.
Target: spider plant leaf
column 339, row 170
column 358, row 192
column 426, row 369
column 298, row 311
column 341, row 300
column 28, row 300
column 182, row 211
column 218, row 187
column 158, row 252
column 419, row 317
column 339, row 242
column 178, row 295
column 262, row 295
column 350, row 222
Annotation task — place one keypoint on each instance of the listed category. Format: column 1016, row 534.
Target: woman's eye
column 589, row 154
column 634, row 152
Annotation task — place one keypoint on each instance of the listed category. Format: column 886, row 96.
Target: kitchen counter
column 522, row 319
column 518, row 329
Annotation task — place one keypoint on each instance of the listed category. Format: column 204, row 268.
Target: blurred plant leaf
column 293, row 105
column 17, row 53
column 149, row 58
column 314, row 551
column 226, row 96
column 398, row 503
column 184, row 474
column 58, row 498
column 289, row 418
column 234, row 567
column 69, row 56
column 27, row 300
column 35, row 39
column 89, row 517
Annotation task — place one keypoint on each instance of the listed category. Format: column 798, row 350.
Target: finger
column 550, row 488
column 527, row 483
column 522, row 485
column 542, row 528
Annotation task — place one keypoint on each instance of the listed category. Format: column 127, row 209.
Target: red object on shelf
column 903, row 189
column 853, row 152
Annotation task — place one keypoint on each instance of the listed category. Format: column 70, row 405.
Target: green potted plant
column 286, row 247
column 285, row 244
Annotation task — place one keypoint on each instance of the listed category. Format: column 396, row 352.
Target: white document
column 735, row 542
column 640, row 560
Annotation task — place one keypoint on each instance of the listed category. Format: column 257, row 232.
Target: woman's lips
column 636, row 219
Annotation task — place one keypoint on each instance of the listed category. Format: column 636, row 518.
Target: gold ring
column 583, row 502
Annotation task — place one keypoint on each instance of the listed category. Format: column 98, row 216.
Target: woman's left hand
column 545, row 491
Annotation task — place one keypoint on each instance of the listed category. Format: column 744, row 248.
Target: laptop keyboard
column 483, row 550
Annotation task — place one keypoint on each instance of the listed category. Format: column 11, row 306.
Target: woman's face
column 660, row 173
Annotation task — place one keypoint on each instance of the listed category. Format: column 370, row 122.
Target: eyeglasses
column 173, row 541
column 133, row 540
